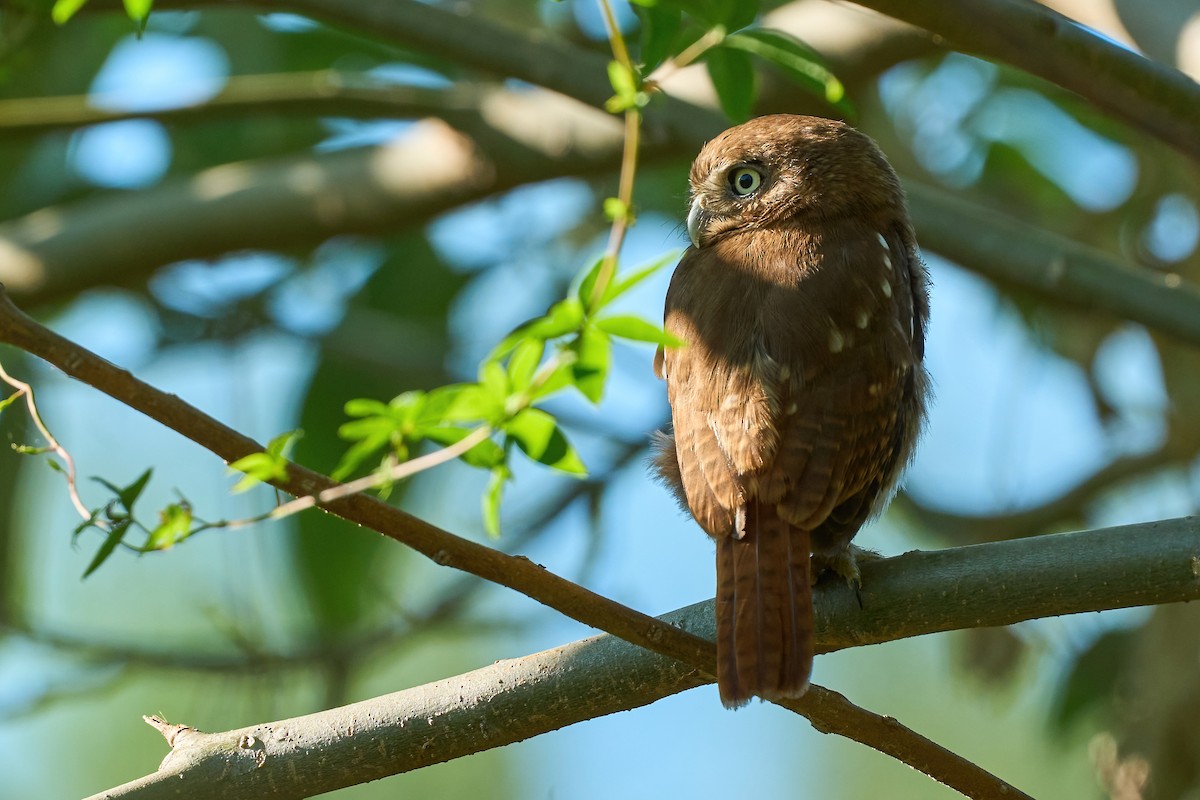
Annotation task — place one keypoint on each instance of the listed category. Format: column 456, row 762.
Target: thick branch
column 1146, row 95
column 320, row 93
column 910, row 595
column 1010, row 251
column 307, row 198
column 515, row 138
column 825, row 711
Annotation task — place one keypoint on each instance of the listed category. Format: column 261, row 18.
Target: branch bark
column 1146, row 95
column 910, row 595
column 512, row 138
column 826, row 711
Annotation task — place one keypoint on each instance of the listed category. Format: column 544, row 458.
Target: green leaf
column 615, row 208
column 490, row 501
column 281, row 445
column 540, row 438
column 623, row 283
column 587, row 284
column 620, row 284
column 458, row 402
column 8, row 401
column 366, row 407
column 795, row 58
column 733, row 77
column 593, row 356
column 360, row 452
column 628, row 87
column 128, row 495
column 139, row 12
column 258, row 468
column 563, row 317
column 174, row 525
column 485, row 455
column 737, row 14
column 115, row 534
column 524, row 362
column 494, row 380
column 368, row 428
column 63, row 10
column 29, row 450
column 637, row 329
column 660, row 29
column 559, row 379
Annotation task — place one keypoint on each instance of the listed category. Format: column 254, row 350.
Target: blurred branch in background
column 910, row 595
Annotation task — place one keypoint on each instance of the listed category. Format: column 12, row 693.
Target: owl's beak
column 696, row 220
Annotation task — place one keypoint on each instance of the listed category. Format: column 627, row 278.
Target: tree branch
column 514, row 138
column 446, row 549
column 1146, row 95
column 910, row 595
column 319, row 93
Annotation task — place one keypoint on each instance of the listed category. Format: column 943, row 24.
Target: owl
column 799, row 391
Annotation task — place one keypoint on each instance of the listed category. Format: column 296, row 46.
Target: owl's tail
column 764, row 610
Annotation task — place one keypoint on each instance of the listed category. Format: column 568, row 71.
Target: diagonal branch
column 1146, row 95
column 446, row 549
column 914, row 594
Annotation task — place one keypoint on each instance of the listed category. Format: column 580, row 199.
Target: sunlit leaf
column 563, row 317
column 139, row 12
column 637, row 329
column 258, row 468
column 492, row 497
column 363, row 449
column 524, row 362
column 8, row 401
column 485, row 455
column 593, row 357
column 624, row 283
column 494, row 380
column 366, row 407
column 627, row 85
column 174, row 525
column 282, row 444
column 63, row 10
column 615, row 208
column 539, row 437
column 559, row 379
column 459, row 402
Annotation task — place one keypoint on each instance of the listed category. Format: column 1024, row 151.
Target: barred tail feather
column 764, row 610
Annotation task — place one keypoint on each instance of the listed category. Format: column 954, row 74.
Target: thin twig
column 53, row 444
column 629, row 160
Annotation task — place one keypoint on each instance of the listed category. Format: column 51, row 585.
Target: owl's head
column 783, row 167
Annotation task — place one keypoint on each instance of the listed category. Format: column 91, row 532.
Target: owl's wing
column 720, row 412
column 845, row 414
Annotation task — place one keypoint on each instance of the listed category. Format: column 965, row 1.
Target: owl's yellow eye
column 744, row 181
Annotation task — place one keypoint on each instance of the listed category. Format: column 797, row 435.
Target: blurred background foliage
column 1050, row 415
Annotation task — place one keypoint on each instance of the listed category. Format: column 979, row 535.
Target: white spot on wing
column 836, row 340
column 863, row 319
column 886, row 286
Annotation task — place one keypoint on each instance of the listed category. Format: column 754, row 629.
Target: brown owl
column 800, row 391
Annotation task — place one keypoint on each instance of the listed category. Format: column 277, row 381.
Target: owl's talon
column 845, row 564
